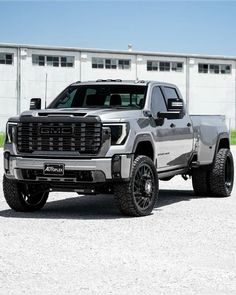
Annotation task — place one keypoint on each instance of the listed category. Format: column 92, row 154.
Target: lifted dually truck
column 114, row 136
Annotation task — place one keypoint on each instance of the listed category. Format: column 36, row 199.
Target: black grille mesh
column 84, row 138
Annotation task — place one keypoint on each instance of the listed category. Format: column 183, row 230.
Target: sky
column 204, row 27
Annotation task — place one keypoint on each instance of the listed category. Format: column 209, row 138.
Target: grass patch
column 233, row 136
column 2, row 138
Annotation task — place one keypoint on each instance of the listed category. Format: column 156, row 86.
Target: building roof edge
column 117, row 51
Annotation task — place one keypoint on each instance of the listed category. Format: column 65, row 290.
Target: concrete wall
column 88, row 73
column 33, row 77
column 208, row 93
column 212, row 93
column 8, row 88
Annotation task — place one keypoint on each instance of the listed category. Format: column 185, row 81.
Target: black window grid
column 6, row 58
column 51, row 60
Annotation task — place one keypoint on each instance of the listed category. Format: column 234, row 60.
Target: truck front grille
column 84, row 138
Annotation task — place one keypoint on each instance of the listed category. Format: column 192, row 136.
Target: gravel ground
column 82, row 245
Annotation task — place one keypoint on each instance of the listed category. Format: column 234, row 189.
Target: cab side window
column 158, row 103
column 170, row 93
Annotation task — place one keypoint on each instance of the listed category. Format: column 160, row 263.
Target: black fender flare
column 223, row 135
column 141, row 138
column 144, row 138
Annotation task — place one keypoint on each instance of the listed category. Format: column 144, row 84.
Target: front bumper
column 100, row 169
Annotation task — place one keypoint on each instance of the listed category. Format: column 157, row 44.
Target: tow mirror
column 169, row 115
column 175, row 105
column 35, row 104
column 174, row 109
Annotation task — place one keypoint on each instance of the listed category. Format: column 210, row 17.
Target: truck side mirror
column 175, row 105
column 35, row 104
column 169, row 115
column 174, row 109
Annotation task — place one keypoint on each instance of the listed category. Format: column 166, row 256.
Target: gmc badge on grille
column 56, row 130
column 54, row 169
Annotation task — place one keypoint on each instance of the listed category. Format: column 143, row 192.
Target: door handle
column 172, row 125
column 189, row 125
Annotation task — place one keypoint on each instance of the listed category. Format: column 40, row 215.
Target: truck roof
column 121, row 82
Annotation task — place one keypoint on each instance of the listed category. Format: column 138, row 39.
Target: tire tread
column 13, row 197
column 217, row 174
column 200, row 181
column 123, row 192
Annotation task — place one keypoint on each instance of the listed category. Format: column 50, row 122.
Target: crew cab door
column 173, row 137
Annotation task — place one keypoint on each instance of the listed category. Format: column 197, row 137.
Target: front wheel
column 22, row 197
column 138, row 196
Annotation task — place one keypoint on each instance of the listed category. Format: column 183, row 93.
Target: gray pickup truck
column 113, row 136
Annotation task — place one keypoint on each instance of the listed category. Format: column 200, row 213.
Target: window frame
column 164, row 68
column 112, row 64
column 226, row 65
column 54, row 62
column 165, row 93
column 83, row 88
column 122, row 65
column 177, row 62
column 66, row 62
column 95, row 64
column 36, row 60
column 163, row 96
column 179, row 97
column 220, row 67
column 153, row 68
column 5, row 59
column 202, row 65
column 213, row 69
column 45, row 60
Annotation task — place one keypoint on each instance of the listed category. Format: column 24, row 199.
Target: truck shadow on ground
column 95, row 207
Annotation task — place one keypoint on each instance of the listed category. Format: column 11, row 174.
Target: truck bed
column 207, row 129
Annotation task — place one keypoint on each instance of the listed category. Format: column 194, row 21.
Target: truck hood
column 105, row 114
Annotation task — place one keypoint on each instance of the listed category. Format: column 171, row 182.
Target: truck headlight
column 119, row 132
column 10, row 129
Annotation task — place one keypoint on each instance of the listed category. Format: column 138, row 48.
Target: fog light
column 116, row 166
column 6, row 161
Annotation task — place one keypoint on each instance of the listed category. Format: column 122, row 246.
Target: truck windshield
column 101, row 96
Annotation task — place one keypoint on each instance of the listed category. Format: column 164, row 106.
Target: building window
column 97, row 63
column 124, row 64
column 6, row 58
column 203, row 68
column 177, row 66
column 67, row 61
column 110, row 63
column 38, row 60
column 164, row 66
column 152, row 65
column 214, row 69
column 53, row 61
column 225, row 69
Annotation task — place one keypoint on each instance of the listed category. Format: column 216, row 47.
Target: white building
column 207, row 82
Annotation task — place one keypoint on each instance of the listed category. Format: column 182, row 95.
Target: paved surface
column 82, row 245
